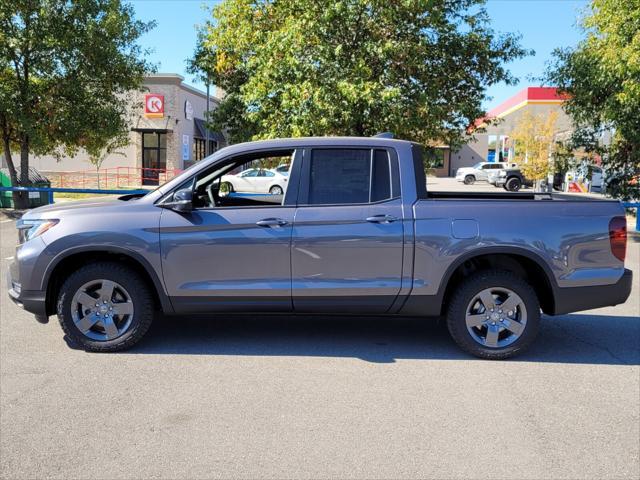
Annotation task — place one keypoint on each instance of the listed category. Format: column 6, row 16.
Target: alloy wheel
column 102, row 310
column 496, row 317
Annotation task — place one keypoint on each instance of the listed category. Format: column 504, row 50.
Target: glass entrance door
column 154, row 157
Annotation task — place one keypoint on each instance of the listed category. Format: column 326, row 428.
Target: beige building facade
column 168, row 134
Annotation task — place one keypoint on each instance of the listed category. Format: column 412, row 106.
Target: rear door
column 347, row 240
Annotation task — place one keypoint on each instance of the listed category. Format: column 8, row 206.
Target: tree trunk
column 22, row 200
column 13, row 175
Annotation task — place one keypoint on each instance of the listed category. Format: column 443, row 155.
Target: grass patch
column 74, row 196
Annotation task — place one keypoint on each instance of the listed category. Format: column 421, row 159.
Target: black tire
column 465, row 293
column 469, row 180
column 135, row 285
column 276, row 190
column 227, row 186
column 513, row 184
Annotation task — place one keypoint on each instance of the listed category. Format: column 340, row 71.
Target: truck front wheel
column 469, row 180
column 105, row 307
column 493, row 315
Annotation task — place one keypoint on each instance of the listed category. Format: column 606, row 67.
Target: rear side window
column 351, row 176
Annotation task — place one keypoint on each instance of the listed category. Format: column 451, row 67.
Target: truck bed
column 558, row 196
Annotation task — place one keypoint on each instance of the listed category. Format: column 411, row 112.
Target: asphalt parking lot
column 281, row 397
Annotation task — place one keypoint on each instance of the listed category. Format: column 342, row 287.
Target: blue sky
column 543, row 24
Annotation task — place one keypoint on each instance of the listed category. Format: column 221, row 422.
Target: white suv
column 480, row 171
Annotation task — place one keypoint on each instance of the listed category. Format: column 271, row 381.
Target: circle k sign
column 154, row 105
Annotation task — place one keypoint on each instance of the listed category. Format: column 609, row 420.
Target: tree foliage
column 418, row 68
column 534, row 144
column 66, row 68
column 602, row 76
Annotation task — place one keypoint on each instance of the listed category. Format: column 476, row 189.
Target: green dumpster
column 36, row 179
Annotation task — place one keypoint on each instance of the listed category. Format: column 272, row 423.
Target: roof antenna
column 384, row 135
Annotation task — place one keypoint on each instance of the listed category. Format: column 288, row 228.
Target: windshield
column 477, row 165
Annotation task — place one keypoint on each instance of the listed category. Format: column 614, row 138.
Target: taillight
column 618, row 237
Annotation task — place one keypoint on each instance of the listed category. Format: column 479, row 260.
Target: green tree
column 602, row 77
column 534, row 141
column 65, row 70
column 418, row 68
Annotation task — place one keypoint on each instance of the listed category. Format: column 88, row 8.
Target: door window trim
column 290, row 199
column 305, row 175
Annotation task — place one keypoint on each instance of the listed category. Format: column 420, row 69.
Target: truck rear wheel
column 493, row 315
column 513, row 184
column 105, row 307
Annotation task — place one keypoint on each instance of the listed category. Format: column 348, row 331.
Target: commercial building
column 492, row 144
column 168, row 134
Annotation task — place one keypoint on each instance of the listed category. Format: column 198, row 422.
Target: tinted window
column 339, row 176
column 348, row 176
column 381, row 181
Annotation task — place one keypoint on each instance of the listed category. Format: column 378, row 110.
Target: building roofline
column 180, row 78
column 528, row 95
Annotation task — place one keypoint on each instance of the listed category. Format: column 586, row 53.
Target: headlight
column 28, row 229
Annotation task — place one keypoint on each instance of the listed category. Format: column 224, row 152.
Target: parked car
column 257, row 180
column 480, row 171
column 356, row 232
column 283, row 169
column 512, row 179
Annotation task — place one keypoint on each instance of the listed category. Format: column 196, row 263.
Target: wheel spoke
column 492, row 335
column 124, row 308
column 487, row 299
column 86, row 322
column 475, row 320
column 110, row 328
column 106, row 290
column 510, row 303
column 513, row 326
column 86, row 300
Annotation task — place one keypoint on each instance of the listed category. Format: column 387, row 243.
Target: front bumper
column 33, row 301
column 575, row 299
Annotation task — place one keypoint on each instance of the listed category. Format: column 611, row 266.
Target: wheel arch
column 72, row 259
column 524, row 263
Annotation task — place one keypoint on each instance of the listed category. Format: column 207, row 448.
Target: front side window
column 349, row 176
column 244, row 181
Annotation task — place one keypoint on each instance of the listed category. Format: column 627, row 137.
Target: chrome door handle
column 271, row 222
column 382, row 219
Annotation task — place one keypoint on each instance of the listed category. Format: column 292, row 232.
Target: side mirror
column 181, row 202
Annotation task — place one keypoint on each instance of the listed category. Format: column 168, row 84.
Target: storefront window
column 154, row 157
column 199, row 151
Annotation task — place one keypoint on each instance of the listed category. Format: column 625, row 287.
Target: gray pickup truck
column 356, row 231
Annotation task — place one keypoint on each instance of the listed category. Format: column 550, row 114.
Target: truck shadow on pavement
column 576, row 338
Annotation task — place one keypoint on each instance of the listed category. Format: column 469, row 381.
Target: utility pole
column 206, row 116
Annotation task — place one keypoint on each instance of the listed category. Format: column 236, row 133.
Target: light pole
column 206, row 117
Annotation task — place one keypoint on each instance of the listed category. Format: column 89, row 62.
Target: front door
column 347, row 242
column 231, row 252
column 225, row 259
column 154, row 157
